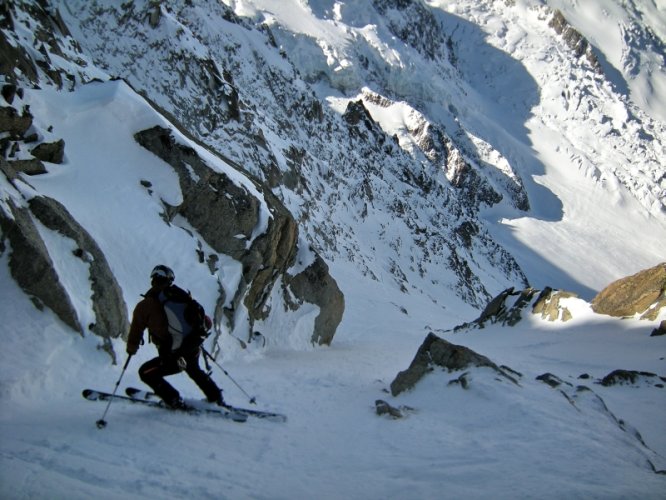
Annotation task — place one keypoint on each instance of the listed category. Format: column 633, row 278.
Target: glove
column 132, row 349
column 182, row 364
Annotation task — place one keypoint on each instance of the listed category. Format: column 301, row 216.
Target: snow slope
column 585, row 143
column 589, row 223
column 494, row 439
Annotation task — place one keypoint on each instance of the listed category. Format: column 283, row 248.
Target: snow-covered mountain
column 420, row 157
column 475, row 101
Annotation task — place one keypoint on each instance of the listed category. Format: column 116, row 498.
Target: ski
column 229, row 414
column 147, row 396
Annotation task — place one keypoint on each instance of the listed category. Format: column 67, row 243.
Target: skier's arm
column 139, row 324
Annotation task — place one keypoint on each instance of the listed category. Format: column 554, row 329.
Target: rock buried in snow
column 660, row 330
column 438, row 352
column 631, row 377
column 552, row 380
column 383, row 408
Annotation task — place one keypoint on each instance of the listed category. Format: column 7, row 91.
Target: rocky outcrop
column 507, row 307
column 574, row 40
column 643, row 293
column 108, row 304
column 15, row 123
column 510, row 305
column 33, row 269
column 316, row 285
column 634, row 378
column 18, row 140
column 51, row 39
column 437, row 352
column 548, row 305
column 31, row 266
column 226, row 215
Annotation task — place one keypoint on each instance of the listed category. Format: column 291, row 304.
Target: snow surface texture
column 597, row 214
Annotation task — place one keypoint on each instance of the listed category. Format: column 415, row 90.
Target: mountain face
column 395, row 133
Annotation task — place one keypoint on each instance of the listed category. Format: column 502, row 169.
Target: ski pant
column 153, row 372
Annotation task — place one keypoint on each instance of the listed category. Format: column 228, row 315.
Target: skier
column 150, row 313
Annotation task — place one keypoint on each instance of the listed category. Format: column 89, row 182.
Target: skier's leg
column 153, row 372
column 202, row 379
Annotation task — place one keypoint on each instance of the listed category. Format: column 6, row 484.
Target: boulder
column 643, row 293
column 383, row 408
column 315, row 285
column 436, row 351
column 29, row 167
column 10, row 91
column 52, row 152
column 660, row 330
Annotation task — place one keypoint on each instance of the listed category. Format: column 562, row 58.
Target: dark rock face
column 226, row 215
column 17, row 63
column 53, row 152
column 32, row 267
column 205, row 192
column 643, row 293
column 108, row 303
column 316, row 285
column 660, row 330
column 13, row 122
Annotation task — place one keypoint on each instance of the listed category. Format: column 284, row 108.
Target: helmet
column 162, row 271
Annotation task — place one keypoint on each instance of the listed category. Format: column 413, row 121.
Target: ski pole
column 253, row 400
column 101, row 423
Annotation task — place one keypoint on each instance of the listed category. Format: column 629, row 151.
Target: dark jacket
column 149, row 313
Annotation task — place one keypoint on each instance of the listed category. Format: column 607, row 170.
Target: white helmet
column 162, row 271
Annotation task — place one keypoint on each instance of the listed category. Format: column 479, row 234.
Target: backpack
column 187, row 320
